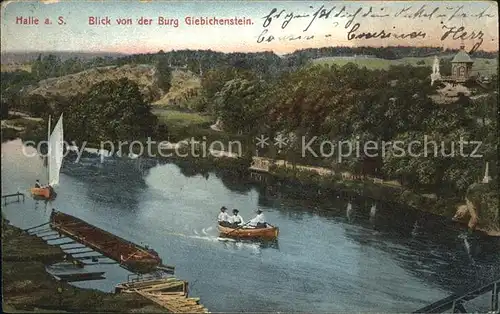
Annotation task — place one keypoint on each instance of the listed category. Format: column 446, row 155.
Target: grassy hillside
column 185, row 85
column 13, row 67
column 81, row 82
column 484, row 66
column 183, row 119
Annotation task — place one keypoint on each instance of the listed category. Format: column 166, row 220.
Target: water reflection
column 457, row 261
column 474, row 260
column 238, row 243
column 397, row 261
column 350, row 212
column 112, row 177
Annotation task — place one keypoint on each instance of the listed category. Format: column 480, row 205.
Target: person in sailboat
column 236, row 219
column 258, row 221
column 223, row 218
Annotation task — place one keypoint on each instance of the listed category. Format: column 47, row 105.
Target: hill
column 482, row 65
column 13, row 67
column 69, row 85
column 23, row 57
column 184, row 85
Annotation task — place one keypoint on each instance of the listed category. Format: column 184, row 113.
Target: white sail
column 56, row 144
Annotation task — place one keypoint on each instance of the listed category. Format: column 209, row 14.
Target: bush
column 5, row 110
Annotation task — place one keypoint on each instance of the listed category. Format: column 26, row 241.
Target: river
column 397, row 262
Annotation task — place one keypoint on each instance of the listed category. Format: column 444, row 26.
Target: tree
column 5, row 110
column 212, row 81
column 240, row 104
column 164, row 74
column 111, row 110
column 12, row 83
column 36, row 104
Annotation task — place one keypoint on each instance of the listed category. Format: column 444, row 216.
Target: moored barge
column 131, row 256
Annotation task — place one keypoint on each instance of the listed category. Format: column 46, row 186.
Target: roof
column 463, row 57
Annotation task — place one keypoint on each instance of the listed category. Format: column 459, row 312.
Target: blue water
column 397, row 262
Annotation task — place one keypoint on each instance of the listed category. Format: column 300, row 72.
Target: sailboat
column 54, row 160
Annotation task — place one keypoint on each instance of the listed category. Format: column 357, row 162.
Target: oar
column 239, row 227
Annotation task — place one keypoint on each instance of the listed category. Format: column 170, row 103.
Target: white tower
column 435, row 71
column 486, row 178
column 435, row 66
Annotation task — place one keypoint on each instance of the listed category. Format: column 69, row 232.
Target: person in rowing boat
column 259, row 221
column 37, row 184
column 236, row 219
column 223, row 218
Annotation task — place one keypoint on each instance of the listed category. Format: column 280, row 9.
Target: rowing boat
column 250, row 233
column 41, row 192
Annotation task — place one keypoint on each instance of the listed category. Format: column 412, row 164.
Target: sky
column 75, row 34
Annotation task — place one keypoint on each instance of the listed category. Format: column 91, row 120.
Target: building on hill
column 464, row 80
column 461, row 66
column 461, row 69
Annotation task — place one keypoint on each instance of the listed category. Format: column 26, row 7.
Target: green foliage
column 240, row 105
column 112, row 110
column 164, row 73
column 262, row 93
column 13, row 82
column 357, row 104
column 445, row 66
column 179, row 119
column 52, row 66
column 5, row 110
column 9, row 134
column 35, row 104
column 213, row 81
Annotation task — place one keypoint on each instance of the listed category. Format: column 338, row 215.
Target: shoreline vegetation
column 204, row 94
column 293, row 179
column 27, row 287
column 310, row 182
column 320, row 93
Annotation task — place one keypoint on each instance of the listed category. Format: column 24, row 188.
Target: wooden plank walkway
column 18, row 195
column 130, row 256
column 169, row 293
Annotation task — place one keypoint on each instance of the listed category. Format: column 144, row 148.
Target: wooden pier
column 18, row 195
column 169, row 293
column 80, row 238
column 129, row 255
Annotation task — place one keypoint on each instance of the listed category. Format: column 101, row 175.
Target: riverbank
column 28, row 287
column 306, row 181
column 310, row 183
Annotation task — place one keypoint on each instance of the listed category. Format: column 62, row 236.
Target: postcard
column 250, row 156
